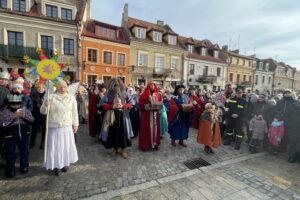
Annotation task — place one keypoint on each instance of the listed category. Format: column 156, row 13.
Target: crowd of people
column 117, row 113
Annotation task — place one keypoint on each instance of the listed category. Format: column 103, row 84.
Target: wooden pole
column 47, row 121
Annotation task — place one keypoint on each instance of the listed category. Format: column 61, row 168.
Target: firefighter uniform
column 234, row 128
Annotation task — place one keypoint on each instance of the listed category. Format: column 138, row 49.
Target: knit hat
column 14, row 98
column 287, row 91
column 18, row 83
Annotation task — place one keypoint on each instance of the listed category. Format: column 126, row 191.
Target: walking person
column 63, row 124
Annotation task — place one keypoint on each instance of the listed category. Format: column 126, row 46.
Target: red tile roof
column 89, row 31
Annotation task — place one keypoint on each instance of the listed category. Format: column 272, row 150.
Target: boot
column 64, row 169
column 182, row 143
column 238, row 142
column 156, row 147
column 173, row 143
column 56, row 172
column 227, row 140
column 114, row 152
column 206, row 149
column 124, row 154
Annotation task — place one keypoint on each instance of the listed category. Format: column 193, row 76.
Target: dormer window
column 267, row 66
column 157, row 37
column 107, row 32
column 51, row 11
column 3, row 3
column 261, row 65
column 140, row 33
column 19, row 5
column 216, row 54
column 190, row 48
column 203, row 51
column 172, row 40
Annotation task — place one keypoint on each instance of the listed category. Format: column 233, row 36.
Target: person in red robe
column 209, row 129
column 150, row 123
column 199, row 105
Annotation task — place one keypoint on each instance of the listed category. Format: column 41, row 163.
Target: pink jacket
column 275, row 134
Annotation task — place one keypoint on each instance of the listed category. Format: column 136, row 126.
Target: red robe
column 149, row 134
column 206, row 136
column 92, row 115
column 198, row 110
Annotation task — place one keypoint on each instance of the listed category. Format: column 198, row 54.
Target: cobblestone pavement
column 97, row 172
column 264, row 178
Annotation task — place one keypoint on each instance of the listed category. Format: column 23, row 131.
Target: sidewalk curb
column 153, row 183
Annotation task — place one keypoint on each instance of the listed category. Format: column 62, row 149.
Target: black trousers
column 292, row 148
column 38, row 125
column 234, row 129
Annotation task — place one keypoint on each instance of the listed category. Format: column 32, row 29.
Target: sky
column 266, row 28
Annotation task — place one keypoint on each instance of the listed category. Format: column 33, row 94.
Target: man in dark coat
column 292, row 127
column 282, row 106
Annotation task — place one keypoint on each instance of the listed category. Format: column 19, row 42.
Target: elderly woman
column 63, row 124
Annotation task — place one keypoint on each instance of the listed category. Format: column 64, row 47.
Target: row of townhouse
column 138, row 51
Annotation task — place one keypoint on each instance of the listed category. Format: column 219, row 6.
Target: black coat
column 282, row 106
column 292, row 122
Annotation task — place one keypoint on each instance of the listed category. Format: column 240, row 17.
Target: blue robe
column 163, row 121
column 179, row 126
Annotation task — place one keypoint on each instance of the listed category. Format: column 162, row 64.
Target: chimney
column 125, row 15
column 161, row 23
column 225, row 48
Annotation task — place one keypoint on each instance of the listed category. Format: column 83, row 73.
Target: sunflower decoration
column 47, row 69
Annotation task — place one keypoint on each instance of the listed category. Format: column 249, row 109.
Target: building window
column 51, row 11
column 216, row 54
column 91, row 79
column 250, row 78
column 270, row 79
column 172, row 40
column 15, row 38
column 47, row 42
column 190, row 48
column 143, row 59
column 244, row 62
column 203, row 52
column 141, row 33
column 245, row 78
column 218, row 71
column 107, row 32
column 238, row 79
column 231, row 77
column 256, row 79
column 92, row 55
column 107, row 57
column 157, row 37
column 3, row 3
column 238, row 61
column 249, row 63
column 20, row 5
column 261, row 65
column 68, row 46
column 263, row 80
column 66, row 14
column 121, row 59
column 192, row 69
column 267, row 66
column 159, row 62
column 174, row 63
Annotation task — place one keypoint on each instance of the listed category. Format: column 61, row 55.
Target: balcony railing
column 12, row 51
column 161, row 71
column 207, row 79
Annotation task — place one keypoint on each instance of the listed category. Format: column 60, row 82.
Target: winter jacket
column 27, row 103
column 258, row 127
column 269, row 113
column 292, row 122
column 237, row 106
column 276, row 133
column 15, row 127
column 3, row 96
column 282, row 106
column 63, row 111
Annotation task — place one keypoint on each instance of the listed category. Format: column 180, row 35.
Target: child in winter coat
column 16, row 121
column 257, row 127
column 275, row 134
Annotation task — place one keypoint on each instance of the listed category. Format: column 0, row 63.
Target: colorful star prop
column 47, row 69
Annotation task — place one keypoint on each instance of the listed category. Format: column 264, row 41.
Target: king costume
column 150, row 124
column 116, row 127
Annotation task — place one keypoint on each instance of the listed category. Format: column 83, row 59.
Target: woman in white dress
column 62, row 125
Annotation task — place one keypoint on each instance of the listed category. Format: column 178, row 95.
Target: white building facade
column 263, row 76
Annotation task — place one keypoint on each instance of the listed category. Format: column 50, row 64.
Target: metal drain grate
column 196, row 163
